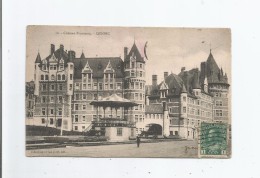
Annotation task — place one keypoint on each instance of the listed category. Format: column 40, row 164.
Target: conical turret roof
column 38, row 58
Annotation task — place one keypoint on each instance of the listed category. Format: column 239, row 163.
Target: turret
column 37, row 74
column 166, row 120
column 70, row 73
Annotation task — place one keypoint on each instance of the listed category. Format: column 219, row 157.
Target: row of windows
column 99, row 86
column 53, row 78
column 135, row 73
column 52, row 112
column 59, row 99
column 137, row 96
column 53, row 67
column 133, row 64
column 154, row 116
column 52, row 87
column 137, row 85
column 198, row 103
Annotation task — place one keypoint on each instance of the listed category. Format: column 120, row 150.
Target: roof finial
column 134, row 39
column 210, row 47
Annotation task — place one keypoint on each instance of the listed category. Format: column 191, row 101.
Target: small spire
column 183, row 90
column 38, row 58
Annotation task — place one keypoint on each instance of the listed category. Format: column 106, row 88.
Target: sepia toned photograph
column 128, row 92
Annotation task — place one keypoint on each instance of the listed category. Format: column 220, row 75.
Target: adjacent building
column 192, row 97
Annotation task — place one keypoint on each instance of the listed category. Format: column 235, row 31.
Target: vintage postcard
column 134, row 92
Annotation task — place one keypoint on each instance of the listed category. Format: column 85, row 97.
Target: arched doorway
column 154, row 129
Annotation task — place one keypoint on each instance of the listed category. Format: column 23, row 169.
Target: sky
column 168, row 49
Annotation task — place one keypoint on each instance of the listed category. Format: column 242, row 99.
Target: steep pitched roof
column 154, row 109
column 98, row 66
column 82, row 55
column 135, row 52
column 38, row 58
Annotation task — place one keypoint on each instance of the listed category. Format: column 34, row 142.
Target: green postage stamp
column 213, row 140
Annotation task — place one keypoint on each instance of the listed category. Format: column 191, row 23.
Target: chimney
column 125, row 52
column 182, row 69
column 52, row 48
column 61, row 47
column 165, row 106
column 154, row 80
column 165, row 75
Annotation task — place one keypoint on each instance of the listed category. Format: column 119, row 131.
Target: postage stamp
column 213, row 139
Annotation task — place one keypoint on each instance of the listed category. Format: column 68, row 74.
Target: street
column 167, row 149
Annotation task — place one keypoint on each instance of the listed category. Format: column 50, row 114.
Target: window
column 197, row 93
column 84, row 86
column 141, row 66
column 100, row 86
column 61, row 66
column 119, row 132
column 52, row 77
column 70, row 86
column 43, row 121
column 77, row 96
column 219, row 103
column 111, row 86
column 83, row 127
column 141, row 74
column 95, row 86
column 118, row 86
column 52, row 87
column 95, row 96
column 136, row 96
column 43, row 67
column 136, row 85
column 63, row 77
column 132, row 73
column 71, row 76
column 46, row 77
column 51, row 99
column 198, row 102
column 42, row 77
column 84, row 96
column 60, row 111
column 76, row 118
column 89, row 86
column 106, row 86
column 83, row 106
column 132, row 85
column 52, row 111
column 83, row 118
column 59, row 77
column 60, row 99
column 43, row 87
column 198, row 112
column 51, row 121
column 141, row 85
column 44, row 99
column 76, row 127
column 71, row 67
column 43, row 111
column 95, row 117
column 76, row 106
column 133, row 64
column 184, row 109
column 219, row 113
column 60, row 86
column 136, row 118
column 184, row 98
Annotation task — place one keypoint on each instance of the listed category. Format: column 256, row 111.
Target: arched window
column 59, row 77
column 46, row 77
column 42, row 77
column 63, row 77
column 52, row 77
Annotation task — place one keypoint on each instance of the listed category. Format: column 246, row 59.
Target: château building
column 65, row 85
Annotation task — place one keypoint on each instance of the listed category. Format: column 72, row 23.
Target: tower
column 218, row 87
column 134, row 81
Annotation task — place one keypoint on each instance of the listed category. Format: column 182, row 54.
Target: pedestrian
column 138, row 140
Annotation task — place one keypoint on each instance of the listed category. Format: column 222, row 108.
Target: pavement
column 169, row 149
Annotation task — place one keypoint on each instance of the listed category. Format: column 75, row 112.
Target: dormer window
column 44, row 67
column 61, row 66
column 53, row 67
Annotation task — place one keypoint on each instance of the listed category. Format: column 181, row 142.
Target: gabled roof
column 59, row 54
column 135, row 52
column 98, row 66
column 154, row 109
